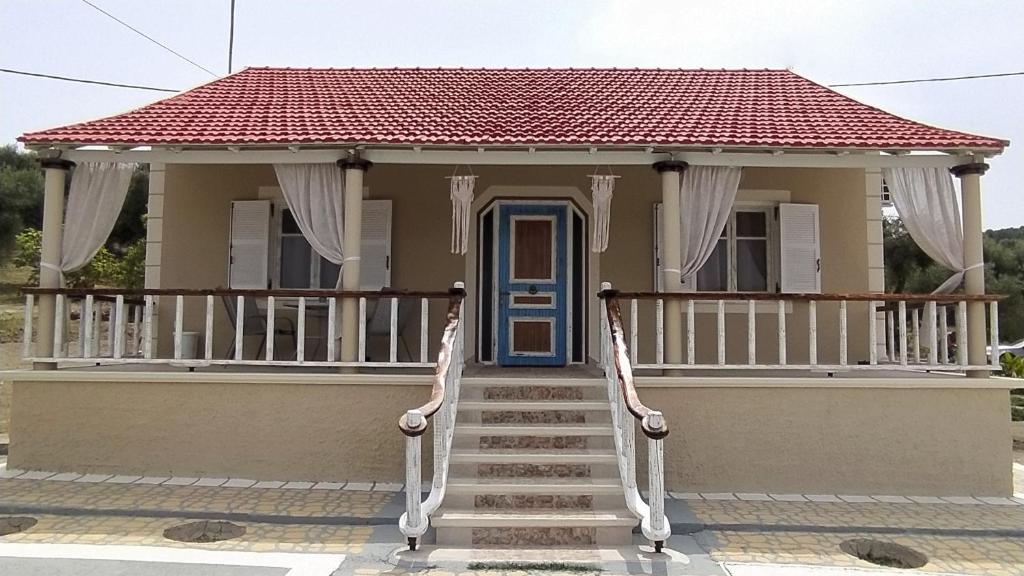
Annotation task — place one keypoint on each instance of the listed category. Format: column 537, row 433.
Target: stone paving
column 193, row 500
column 141, row 531
column 946, row 555
column 973, row 537
column 921, row 517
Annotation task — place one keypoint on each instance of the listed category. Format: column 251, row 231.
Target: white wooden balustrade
column 913, row 331
column 443, row 406
column 269, row 327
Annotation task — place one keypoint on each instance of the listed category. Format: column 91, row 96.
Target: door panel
column 532, row 276
column 533, row 249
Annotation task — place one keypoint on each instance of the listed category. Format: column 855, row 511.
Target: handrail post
column 413, row 465
column 656, row 478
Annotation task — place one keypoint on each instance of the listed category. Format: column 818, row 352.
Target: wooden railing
column 625, row 407
column 444, row 402
column 112, row 326
column 918, row 331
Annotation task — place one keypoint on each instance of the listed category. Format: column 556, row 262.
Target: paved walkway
column 739, row 537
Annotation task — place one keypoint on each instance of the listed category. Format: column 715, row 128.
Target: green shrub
column 132, row 266
column 1013, row 366
column 105, row 269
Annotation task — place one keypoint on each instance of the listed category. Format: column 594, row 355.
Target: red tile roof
column 478, row 107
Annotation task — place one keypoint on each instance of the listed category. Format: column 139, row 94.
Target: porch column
column 56, row 171
column 354, row 168
column 670, row 171
column 974, row 259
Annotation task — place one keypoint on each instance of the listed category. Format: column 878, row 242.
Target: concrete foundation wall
column 803, row 436
column 273, row 431
column 916, row 441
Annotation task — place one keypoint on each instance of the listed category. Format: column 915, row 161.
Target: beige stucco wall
column 274, row 431
column 924, row 437
column 907, row 441
column 194, row 250
column 197, row 211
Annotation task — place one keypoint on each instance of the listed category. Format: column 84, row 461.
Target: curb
column 198, row 515
column 693, row 529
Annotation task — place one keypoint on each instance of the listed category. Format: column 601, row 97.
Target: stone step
column 531, row 405
column 634, row 558
column 532, row 430
column 543, row 382
column 507, row 456
column 547, row 486
column 460, row 518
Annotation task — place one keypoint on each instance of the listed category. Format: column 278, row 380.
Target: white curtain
column 602, row 188
column 462, row 202
column 706, row 196
column 97, row 194
column 926, row 202
column 315, row 194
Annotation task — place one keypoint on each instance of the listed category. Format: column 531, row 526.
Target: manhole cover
column 888, row 554
column 15, row 524
column 204, row 531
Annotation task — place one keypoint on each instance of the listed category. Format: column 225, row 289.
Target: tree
column 21, row 187
column 908, row 269
column 21, row 203
column 131, row 223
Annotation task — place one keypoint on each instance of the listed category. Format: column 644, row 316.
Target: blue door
column 532, row 280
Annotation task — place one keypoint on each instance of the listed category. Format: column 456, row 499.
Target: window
column 269, row 250
column 741, row 262
column 747, row 256
column 299, row 266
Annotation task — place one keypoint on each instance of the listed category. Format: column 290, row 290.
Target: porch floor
column 474, row 370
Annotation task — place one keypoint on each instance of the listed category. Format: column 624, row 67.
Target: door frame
column 576, row 299
column 556, row 217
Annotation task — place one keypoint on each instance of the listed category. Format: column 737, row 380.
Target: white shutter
column 800, row 248
column 375, row 260
column 687, row 283
column 250, row 244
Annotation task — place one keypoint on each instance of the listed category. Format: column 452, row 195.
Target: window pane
column 714, row 276
column 752, row 265
column 328, row 274
column 751, row 224
column 288, row 224
column 294, row 262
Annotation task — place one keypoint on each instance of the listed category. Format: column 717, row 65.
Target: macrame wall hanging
column 462, row 202
column 602, row 188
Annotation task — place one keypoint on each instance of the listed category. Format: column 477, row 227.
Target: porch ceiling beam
column 525, row 157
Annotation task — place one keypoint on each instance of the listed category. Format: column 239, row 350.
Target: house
column 527, row 261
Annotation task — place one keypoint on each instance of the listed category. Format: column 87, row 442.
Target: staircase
column 533, row 464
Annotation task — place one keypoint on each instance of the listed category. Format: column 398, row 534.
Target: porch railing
column 444, row 402
column 119, row 326
column 625, row 407
column 913, row 331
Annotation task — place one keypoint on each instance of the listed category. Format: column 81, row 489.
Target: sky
column 828, row 41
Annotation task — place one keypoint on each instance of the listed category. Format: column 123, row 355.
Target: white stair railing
column 626, row 408
column 443, row 403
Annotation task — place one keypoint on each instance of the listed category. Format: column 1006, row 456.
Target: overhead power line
column 150, row 38
column 84, row 81
column 918, row 80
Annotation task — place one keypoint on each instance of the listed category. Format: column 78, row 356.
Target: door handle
column 532, row 289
